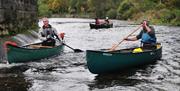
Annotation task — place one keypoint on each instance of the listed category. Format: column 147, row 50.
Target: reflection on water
column 68, row 72
column 123, row 78
column 12, row 79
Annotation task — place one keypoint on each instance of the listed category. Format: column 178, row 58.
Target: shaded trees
column 168, row 10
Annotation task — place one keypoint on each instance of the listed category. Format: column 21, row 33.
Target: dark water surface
column 68, row 71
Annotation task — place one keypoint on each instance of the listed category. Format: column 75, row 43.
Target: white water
column 68, row 72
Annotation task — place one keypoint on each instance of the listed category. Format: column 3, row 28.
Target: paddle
column 114, row 47
column 75, row 50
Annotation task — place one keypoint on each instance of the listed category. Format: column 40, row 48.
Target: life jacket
column 97, row 22
column 146, row 38
column 48, row 32
column 49, row 26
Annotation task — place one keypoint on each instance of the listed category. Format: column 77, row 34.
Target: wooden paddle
column 115, row 46
column 75, row 50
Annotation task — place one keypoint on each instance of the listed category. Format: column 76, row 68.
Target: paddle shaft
column 114, row 47
column 57, row 37
column 64, row 43
column 75, row 50
column 68, row 46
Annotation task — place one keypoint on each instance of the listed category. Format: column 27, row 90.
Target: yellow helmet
column 137, row 50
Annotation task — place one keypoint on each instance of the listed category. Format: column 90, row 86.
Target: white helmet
column 107, row 18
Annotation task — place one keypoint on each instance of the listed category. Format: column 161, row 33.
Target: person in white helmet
column 107, row 20
column 49, row 33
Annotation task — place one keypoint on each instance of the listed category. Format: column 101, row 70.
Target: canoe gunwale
column 24, row 47
column 119, row 51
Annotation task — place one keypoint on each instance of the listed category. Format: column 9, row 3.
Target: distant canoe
column 94, row 26
column 17, row 54
column 100, row 62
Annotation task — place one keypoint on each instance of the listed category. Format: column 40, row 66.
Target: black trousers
column 149, row 46
column 49, row 42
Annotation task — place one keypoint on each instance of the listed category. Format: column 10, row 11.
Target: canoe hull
column 19, row 54
column 99, row 62
column 94, row 26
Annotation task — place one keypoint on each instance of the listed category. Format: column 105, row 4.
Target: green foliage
column 146, row 5
column 160, row 6
column 126, row 9
column 158, row 11
column 166, row 15
column 125, row 6
column 112, row 13
column 43, row 8
column 176, row 20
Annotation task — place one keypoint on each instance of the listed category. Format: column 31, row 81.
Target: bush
column 160, row 6
column 146, row 5
column 176, row 21
column 44, row 11
column 124, row 6
column 112, row 13
column 125, row 9
column 166, row 15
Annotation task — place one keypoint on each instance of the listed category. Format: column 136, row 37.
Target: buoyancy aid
column 48, row 32
column 146, row 38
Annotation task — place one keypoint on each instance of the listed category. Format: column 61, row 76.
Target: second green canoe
column 101, row 61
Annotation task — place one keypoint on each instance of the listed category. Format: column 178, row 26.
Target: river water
column 68, row 71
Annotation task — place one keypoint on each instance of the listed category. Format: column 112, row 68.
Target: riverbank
column 161, row 12
column 135, row 19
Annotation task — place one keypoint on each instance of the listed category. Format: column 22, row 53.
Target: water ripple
column 68, row 72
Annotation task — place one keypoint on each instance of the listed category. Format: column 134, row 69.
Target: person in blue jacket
column 147, row 36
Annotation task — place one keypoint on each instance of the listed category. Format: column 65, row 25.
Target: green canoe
column 94, row 26
column 17, row 54
column 102, row 61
